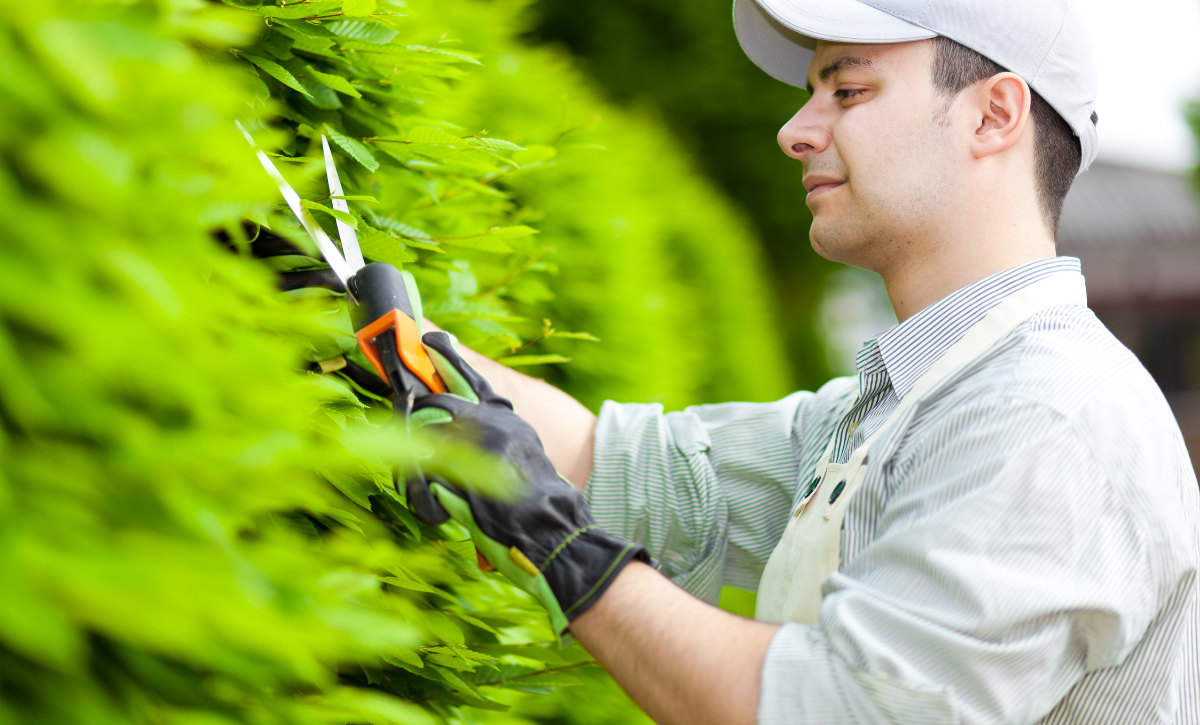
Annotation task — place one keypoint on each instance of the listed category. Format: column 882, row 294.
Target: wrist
column 583, row 567
column 637, row 576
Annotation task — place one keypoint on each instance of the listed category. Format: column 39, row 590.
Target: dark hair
column 955, row 67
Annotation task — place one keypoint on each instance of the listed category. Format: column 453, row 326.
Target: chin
column 834, row 242
column 823, row 241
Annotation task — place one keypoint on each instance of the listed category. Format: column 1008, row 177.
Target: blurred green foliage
column 194, row 529
column 650, row 257
column 681, row 61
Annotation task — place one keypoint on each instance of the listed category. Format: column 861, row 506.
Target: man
column 994, row 522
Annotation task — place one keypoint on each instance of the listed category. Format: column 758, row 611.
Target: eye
column 843, row 94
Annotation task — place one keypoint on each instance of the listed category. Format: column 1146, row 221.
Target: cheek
column 868, row 145
column 891, row 154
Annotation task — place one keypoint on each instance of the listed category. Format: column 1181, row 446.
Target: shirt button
column 853, row 428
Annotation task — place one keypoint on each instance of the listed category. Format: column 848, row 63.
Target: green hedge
column 192, row 528
column 651, row 258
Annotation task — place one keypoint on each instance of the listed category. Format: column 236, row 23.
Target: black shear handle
column 384, row 306
column 388, row 335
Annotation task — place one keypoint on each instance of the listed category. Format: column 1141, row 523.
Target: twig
column 546, row 671
column 547, row 332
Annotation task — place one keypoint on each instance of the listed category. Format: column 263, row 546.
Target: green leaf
column 376, row 52
column 550, row 654
column 575, row 336
column 297, row 11
column 558, row 679
column 354, row 489
column 320, row 95
column 468, row 692
column 339, row 215
column 450, row 661
column 343, row 517
column 405, row 583
column 355, row 149
column 448, row 53
column 477, row 622
column 383, row 247
column 306, row 293
column 511, row 232
column 442, row 628
column 418, row 244
column 358, row 8
column 298, row 29
column 430, row 134
column 357, row 198
column 517, row 361
column 278, row 72
column 483, row 243
column 462, row 652
column 314, row 46
column 492, row 239
column 405, row 656
column 400, row 228
column 365, row 31
column 499, row 144
column 422, row 182
column 278, row 45
column 335, row 82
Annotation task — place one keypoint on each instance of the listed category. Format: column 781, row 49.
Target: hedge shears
column 385, row 301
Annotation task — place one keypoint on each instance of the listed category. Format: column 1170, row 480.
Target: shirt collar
column 909, row 349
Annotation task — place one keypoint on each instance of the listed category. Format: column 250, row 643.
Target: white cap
column 1043, row 41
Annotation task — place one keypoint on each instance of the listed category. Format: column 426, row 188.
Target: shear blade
column 346, row 234
column 329, row 250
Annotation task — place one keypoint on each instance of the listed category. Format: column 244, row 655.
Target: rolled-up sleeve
column 706, row 490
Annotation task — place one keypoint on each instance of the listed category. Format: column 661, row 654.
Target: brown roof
column 1137, row 233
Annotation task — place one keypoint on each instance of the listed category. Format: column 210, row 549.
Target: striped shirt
column 1024, row 547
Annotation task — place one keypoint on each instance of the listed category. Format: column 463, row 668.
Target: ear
column 1002, row 105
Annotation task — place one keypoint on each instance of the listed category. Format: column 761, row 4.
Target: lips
column 816, row 184
column 819, row 188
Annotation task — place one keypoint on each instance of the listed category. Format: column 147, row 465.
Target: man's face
column 878, row 167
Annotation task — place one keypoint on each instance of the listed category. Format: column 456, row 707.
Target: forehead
column 875, row 58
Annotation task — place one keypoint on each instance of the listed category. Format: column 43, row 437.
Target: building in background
column 1137, row 233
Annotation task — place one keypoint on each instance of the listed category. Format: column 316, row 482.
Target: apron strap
column 810, row 549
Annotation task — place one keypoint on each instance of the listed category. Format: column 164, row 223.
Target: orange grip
column 408, row 342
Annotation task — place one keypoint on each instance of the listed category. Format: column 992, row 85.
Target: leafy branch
column 537, row 673
column 512, row 358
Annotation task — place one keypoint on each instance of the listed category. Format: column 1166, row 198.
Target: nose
column 804, row 135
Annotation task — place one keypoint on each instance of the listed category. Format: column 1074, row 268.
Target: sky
column 1148, row 54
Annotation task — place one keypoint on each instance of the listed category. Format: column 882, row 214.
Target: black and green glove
column 546, row 542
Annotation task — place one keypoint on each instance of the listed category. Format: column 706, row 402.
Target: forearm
column 682, row 660
column 566, row 428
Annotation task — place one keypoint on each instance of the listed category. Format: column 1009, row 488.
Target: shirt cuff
column 622, row 437
column 804, row 682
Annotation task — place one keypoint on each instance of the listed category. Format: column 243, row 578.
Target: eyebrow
column 847, row 61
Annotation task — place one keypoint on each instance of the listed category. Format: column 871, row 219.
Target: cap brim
column 781, row 35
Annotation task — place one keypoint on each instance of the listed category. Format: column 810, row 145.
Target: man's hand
column 682, row 660
column 566, row 428
column 547, row 541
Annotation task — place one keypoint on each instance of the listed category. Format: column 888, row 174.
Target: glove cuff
column 582, row 568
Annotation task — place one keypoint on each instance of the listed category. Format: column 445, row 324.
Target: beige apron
column 810, row 550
